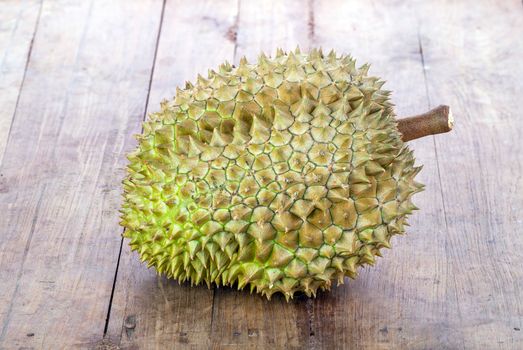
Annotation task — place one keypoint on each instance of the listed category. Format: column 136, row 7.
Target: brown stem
column 435, row 121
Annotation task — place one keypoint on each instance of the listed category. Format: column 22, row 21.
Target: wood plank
column 242, row 320
column 150, row 311
column 453, row 282
column 18, row 21
column 403, row 301
column 83, row 96
column 472, row 53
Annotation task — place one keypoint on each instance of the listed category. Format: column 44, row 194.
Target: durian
column 283, row 175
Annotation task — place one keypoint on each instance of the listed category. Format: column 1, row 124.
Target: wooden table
column 78, row 77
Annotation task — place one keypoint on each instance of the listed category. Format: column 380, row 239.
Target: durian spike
column 436, row 121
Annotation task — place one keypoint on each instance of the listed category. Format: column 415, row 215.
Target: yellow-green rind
column 283, row 175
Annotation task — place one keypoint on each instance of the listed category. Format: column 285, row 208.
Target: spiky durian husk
column 282, row 175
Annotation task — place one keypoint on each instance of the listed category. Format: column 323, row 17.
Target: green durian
column 283, row 175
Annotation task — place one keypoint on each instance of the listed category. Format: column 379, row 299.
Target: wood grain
column 402, row 302
column 72, row 100
column 150, row 311
column 18, row 22
column 266, row 25
column 83, row 95
column 471, row 62
column 446, row 287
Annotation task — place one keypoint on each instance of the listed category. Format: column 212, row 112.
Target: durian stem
column 436, row 121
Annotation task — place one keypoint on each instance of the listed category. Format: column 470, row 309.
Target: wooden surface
column 77, row 78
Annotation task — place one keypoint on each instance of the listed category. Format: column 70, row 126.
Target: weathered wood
column 150, row 311
column 266, row 25
column 402, row 301
column 454, row 282
column 83, row 94
column 241, row 320
column 472, row 62
column 18, row 21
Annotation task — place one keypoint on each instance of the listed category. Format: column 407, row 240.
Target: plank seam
column 309, row 306
column 438, row 168
column 310, row 22
column 154, row 60
column 146, row 106
column 311, row 336
column 37, row 22
column 424, row 69
column 213, row 310
column 433, row 137
column 236, row 29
